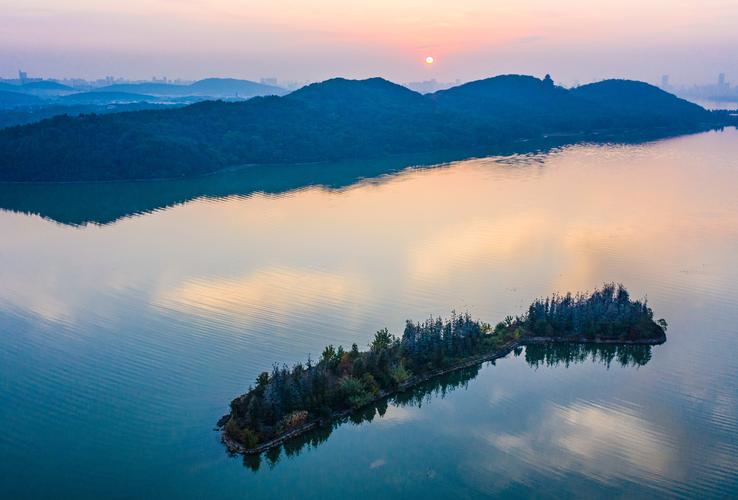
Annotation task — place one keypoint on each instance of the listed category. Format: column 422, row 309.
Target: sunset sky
column 574, row 40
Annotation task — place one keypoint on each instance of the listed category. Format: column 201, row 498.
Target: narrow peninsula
column 288, row 402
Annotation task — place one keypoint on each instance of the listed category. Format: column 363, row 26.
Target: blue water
column 125, row 332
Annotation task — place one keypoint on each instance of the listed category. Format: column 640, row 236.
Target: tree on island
column 290, row 399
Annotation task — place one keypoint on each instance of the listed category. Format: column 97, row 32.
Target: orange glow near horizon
column 326, row 38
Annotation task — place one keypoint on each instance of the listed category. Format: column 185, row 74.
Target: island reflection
column 535, row 355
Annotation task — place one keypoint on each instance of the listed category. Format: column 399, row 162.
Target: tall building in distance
column 22, row 76
column 720, row 92
column 432, row 85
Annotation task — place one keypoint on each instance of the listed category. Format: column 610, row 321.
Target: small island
column 288, row 402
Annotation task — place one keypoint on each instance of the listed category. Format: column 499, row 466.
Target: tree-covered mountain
column 374, row 117
column 9, row 99
column 628, row 103
column 44, row 88
column 342, row 95
column 228, row 87
column 520, row 101
column 210, row 87
column 106, row 98
column 46, row 85
column 41, row 110
column 335, row 119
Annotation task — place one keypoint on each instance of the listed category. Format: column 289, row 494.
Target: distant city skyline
column 574, row 40
column 420, row 82
column 428, row 85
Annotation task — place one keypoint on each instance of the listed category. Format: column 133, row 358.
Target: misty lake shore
column 334, row 120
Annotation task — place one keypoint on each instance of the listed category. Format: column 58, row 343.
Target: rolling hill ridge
column 331, row 120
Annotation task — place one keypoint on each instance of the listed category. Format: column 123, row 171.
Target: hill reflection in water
column 102, row 203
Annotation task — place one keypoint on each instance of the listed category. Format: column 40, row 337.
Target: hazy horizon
column 193, row 39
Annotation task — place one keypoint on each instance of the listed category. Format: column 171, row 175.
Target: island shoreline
column 234, row 447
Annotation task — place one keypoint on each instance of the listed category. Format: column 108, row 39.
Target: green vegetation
column 536, row 355
column 414, row 396
column 75, row 105
column 608, row 313
column 334, row 120
column 292, row 400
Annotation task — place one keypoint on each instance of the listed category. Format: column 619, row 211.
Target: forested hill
column 621, row 100
column 211, row 87
column 335, row 119
column 520, row 100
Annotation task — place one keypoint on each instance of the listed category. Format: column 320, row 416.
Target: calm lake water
column 131, row 314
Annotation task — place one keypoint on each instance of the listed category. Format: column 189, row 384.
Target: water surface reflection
column 548, row 354
column 121, row 344
column 103, row 203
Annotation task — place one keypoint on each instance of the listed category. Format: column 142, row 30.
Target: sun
column 429, row 60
